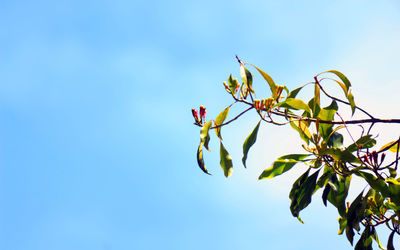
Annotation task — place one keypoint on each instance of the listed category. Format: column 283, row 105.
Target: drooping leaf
column 270, row 82
column 247, row 78
column 200, row 159
column 323, row 180
column 250, row 140
column 325, row 194
column 302, row 197
column 220, row 119
column 226, row 161
column 278, row 167
column 204, row 136
column 390, row 241
column 353, row 217
column 338, row 192
column 296, row 104
column 364, row 142
column 350, row 98
column 342, row 77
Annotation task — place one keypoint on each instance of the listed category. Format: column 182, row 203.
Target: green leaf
column 314, row 107
column 294, row 92
column 278, row 167
column 327, row 114
column 302, row 128
column 353, row 216
column 350, row 97
column 283, row 164
column 232, row 82
column 204, row 136
column 296, row 157
column 296, row 104
column 250, row 140
column 200, row 159
column 364, row 142
column 365, row 241
column 226, row 161
column 219, row 120
column 247, row 78
column 375, row 183
column 302, row 197
column 271, row 82
column 337, row 195
column 323, row 180
column 340, row 155
column 342, row 77
column 390, row 241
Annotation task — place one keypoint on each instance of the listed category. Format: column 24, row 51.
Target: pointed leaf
column 294, row 104
column 200, row 159
column 391, row 146
column 204, row 136
column 296, row 157
column 294, row 92
column 302, row 198
column 350, row 98
column 271, row 82
column 219, row 120
column 226, row 161
column 246, row 77
column 250, row 140
column 364, row 142
column 342, row 77
column 278, row 167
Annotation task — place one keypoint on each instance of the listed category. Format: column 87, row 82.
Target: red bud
column 202, row 112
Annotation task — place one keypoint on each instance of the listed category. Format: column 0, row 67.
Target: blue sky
column 97, row 146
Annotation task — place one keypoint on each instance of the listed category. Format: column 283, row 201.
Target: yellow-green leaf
column 247, row 78
column 392, row 146
column 278, row 167
column 219, row 120
column 233, row 82
column 250, row 140
column 204, row 136
column 269, row 80
column 342, row 77
column 226, row 161
column 294, row 104
column 350, row 97
column 200, row 159
column 302, row 128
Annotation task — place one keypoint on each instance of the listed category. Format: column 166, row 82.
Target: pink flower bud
column 195, row 114
column 202, row 112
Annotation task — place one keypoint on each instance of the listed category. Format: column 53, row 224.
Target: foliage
column 331, row 165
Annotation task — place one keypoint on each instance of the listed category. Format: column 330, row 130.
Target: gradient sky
column 97, row 146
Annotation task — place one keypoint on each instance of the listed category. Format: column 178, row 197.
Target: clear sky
column 97, row 146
